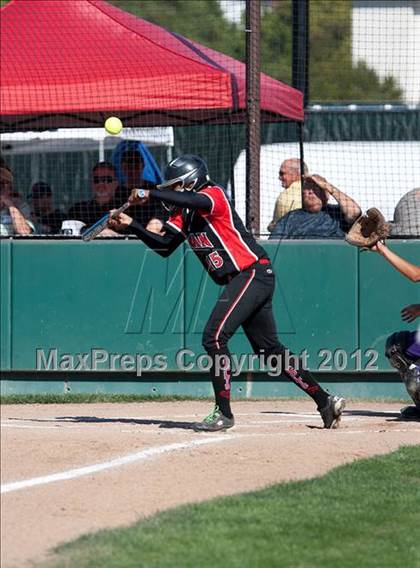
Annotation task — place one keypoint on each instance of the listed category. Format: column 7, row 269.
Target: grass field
column 89, row 398
column 86, row 398
column 365, row 514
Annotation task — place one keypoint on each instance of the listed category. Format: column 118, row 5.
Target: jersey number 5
column 215, row 259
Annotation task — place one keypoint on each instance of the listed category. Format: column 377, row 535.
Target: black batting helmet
column 189, row 171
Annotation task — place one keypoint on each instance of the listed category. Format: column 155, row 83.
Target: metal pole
column 231, row 162
column 301, row 154
column 253, row 122
column 101, row 150
column 300, row 62
column 300, row 52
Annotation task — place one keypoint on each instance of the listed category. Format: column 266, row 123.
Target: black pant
column 247, row 301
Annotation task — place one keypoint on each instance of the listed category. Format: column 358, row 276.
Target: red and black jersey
column 217, row 236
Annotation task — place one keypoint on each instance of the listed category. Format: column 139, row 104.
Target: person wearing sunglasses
column 104, row 185
column 291, row 196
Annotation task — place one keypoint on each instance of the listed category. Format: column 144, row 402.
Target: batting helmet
column 189, row 171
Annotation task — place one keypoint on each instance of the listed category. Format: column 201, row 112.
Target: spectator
column 291, row 197
column 132, row 165
column 317, row 218
column 48, row 220
column 407, row 215
column 104, row 191
column 403, row 347
column 14, row 213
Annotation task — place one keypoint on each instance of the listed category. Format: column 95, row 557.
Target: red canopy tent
column 73, row 62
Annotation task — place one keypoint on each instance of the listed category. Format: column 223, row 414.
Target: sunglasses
column 103, row 179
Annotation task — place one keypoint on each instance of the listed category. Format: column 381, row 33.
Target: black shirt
column 90, row 211
column 49, row 224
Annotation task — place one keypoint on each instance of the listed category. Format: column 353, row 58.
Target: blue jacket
column 301, row 224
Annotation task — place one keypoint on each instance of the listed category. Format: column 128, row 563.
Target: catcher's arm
column 406, row 268
column 368, row 229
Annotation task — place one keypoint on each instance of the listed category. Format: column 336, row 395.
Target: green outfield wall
column 112, row 316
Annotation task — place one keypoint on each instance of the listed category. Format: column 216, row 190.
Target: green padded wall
column 123, row 298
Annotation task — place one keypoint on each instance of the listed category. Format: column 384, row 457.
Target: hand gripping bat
column 102, row 223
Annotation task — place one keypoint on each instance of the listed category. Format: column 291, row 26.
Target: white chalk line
column 150, row 453
column 117, row 462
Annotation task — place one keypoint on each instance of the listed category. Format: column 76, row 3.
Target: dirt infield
column 72, row 469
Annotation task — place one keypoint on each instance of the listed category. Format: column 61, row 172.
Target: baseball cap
column 40, row 189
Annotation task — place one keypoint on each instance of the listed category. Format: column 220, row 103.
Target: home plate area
column 70, row 469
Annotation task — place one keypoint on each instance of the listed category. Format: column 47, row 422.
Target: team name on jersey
column 199, row 241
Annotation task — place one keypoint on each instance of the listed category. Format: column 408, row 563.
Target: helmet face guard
column 182, row 181
column 189, row 172
column 186, row 173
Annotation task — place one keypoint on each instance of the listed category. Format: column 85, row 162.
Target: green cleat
column 214, row 422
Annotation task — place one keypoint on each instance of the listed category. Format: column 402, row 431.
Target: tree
column 198, row 20
column 332, row 75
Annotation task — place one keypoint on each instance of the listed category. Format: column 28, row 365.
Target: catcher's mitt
column 368, row 229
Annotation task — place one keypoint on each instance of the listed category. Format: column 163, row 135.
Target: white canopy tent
column 82, row 139
column 50, row 156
